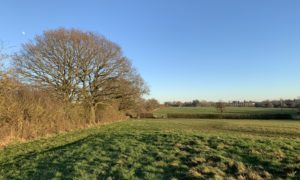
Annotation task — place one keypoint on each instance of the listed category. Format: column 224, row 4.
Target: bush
column 147, row 115
column 27, row 113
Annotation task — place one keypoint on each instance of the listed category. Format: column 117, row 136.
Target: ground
column 161, row 149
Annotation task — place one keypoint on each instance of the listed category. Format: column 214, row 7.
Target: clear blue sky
column 213, row 50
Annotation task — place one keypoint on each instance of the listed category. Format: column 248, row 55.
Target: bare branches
column 79, row 66
column 220, row 106
column 50, row 62
column 2, row 57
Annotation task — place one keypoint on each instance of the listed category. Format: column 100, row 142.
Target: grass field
column 162, row 149
column 228, row 110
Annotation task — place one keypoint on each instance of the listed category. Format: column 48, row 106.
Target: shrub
column 147, row 115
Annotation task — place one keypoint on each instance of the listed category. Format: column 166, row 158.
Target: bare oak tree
column 80, row 67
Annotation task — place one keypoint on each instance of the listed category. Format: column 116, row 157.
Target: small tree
column 195, row 103
column 220, row 106
column 151, row 104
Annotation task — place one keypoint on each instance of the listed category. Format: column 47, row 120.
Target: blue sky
column 193, row 49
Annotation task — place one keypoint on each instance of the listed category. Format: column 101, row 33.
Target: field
column 162, row 149
column 228, row 110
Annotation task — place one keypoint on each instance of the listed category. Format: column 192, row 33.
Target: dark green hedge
column 147, row 115
column 229, row 116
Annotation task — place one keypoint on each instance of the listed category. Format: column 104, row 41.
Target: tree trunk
column 92, row 114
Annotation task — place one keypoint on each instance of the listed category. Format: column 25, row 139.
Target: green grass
column 161, row 149
column 228, row 110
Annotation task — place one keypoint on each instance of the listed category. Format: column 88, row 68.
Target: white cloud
column 23, row 33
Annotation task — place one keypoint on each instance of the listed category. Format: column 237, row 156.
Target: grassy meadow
column 162, row 149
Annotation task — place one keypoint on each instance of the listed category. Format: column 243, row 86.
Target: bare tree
column 220, row 106
column 80, row 67
column 131, row 92
column 50, row 61
column 151, row 104
column 298, row 104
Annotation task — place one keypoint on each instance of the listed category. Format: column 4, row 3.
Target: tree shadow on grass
column 96, row 156
column 44, row 164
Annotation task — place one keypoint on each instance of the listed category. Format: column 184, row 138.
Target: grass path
column 161, row 149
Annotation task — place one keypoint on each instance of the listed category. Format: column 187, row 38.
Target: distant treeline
column 287, row 103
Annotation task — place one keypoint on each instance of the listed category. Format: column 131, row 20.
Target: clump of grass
column 239, row 167
column 198, row 160
column 253, row 175
column 193, row 173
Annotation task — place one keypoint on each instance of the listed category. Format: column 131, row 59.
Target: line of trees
column 194, row 103
column 287, row 103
